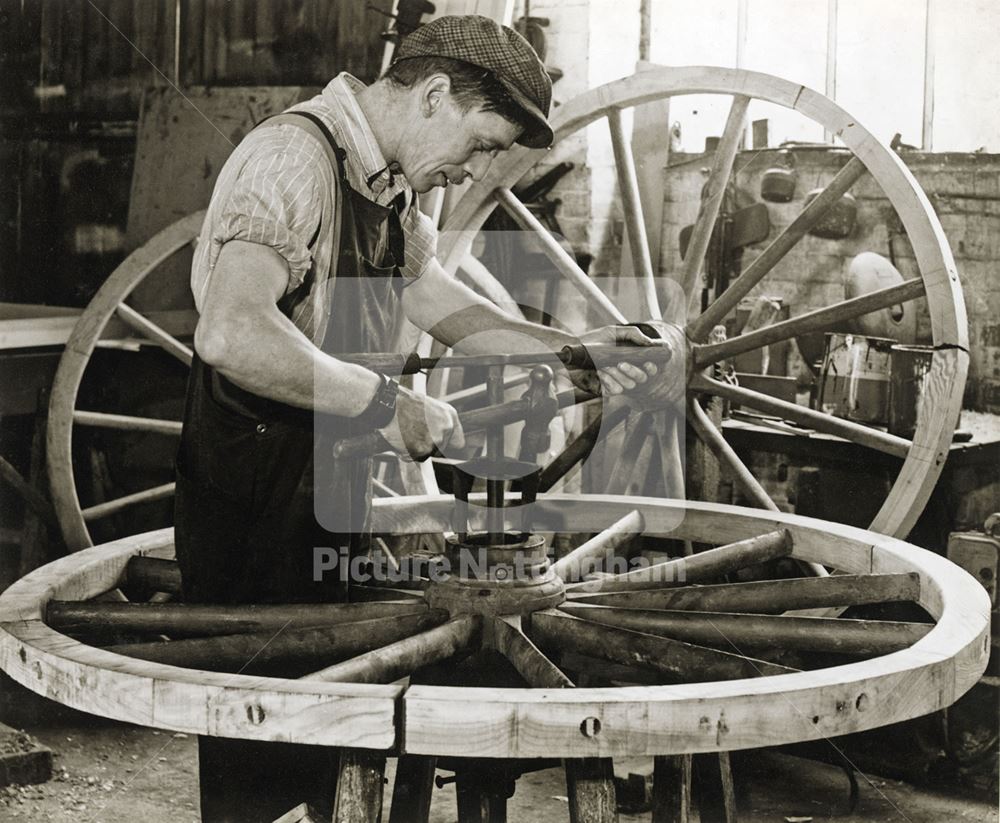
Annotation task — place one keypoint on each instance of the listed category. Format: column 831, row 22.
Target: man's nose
column 477, row 166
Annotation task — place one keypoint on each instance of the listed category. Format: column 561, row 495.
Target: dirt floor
column 107, row 772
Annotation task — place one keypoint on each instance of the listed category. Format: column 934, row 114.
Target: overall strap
column 317, row 128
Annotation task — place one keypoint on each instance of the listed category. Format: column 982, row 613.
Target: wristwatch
column 382, row 407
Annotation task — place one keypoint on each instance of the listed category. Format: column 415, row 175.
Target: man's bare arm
column 454, row 314
column 244, row 335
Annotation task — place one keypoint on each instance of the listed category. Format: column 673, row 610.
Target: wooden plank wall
column 105, row 52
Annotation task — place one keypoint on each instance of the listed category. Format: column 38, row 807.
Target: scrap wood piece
column 23, row 759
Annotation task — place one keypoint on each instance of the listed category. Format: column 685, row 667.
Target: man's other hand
column 421, row 425
column 649, row 385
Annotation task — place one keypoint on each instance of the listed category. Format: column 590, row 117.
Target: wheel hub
column 512, row 577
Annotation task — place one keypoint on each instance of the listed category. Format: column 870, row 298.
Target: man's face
column 449, row 144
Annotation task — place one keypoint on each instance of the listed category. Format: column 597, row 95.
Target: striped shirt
column 277, row 187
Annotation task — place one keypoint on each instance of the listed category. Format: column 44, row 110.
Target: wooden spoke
column 635, row 224
column 715, row 189
column 684, row 661
column 399, row 659
column 628, row 474
column 581, row 561
column 125, row 423
column 148, row 329
column 560, row 258
column 153, row 574
column 382, row 489
column 739, row 288
column 114, row 506
column 537, row 670
column 826, row 423
column 706, row 565
column 770, row 596
column 199, row 620
column 754, row 631
column 580, row 447
column 390, row 558
column 814, row 321
column 724, row 453
column 484, row 281
column 298, row 647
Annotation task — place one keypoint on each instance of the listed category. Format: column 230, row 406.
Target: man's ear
column 434, row 91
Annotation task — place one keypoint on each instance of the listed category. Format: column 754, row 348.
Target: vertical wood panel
column 193, row 41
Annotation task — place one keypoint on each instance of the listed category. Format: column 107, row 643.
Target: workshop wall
column 964, row 190
column 74, row 72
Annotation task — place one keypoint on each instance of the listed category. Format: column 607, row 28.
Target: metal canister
column 854, row 381
column 908, row 370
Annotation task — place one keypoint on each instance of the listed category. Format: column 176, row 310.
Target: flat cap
column 500, row 50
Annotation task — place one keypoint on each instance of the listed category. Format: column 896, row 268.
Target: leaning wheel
column 764, row 675
column 924, row 456
column 64, row 417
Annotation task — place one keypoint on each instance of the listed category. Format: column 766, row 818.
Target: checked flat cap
column 500, row 50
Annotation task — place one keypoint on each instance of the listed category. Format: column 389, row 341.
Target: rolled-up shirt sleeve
column 276, row 200
column 420, row 237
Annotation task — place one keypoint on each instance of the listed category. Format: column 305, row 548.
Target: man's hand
column 421, row 425
column 649, row 385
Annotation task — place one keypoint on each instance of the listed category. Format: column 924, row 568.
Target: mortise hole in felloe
column 591, row 727
column 862, row 702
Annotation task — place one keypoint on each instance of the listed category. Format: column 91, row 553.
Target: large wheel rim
column 631, row 720
column 926, row 454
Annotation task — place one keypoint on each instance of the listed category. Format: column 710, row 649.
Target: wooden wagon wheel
column 924, row 456
column 109, row 302
column 715, row 645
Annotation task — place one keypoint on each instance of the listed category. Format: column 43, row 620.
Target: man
column 313, row 246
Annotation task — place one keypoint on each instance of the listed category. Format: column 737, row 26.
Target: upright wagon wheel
column 109, row 302
column 924, row 455
column 725, row 668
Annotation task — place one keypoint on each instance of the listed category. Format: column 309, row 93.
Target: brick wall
column 965, row 192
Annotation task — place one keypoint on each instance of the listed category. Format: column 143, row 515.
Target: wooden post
column 714, row 788
column 590, row 785
column 411, row 794
column 482, row 797
column 672, row 789
column 359, row 786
